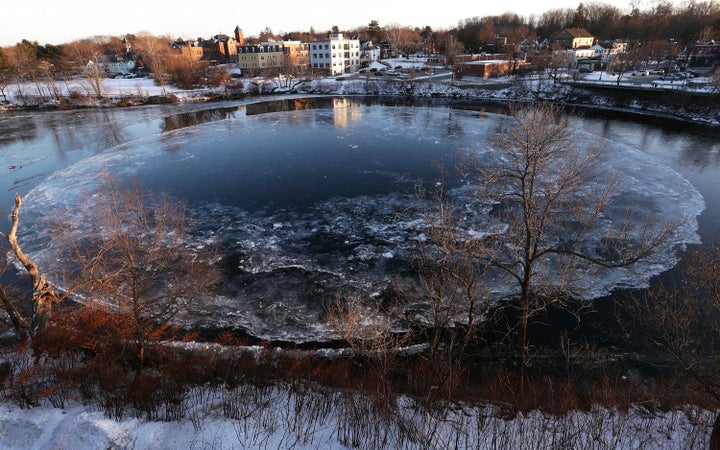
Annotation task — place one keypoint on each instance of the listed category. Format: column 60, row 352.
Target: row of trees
column 48, row 66
column 683, row 24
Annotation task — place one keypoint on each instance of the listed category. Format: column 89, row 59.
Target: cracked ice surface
column 308, row 205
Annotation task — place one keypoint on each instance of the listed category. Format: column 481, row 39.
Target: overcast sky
column 59, row 21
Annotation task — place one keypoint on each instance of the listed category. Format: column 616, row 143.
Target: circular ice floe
column 314, row 204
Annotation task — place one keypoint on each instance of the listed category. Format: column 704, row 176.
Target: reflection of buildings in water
column 345, row 112
column 188, row 119
column 299, row 104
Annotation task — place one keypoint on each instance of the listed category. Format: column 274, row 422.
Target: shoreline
column 681, row 109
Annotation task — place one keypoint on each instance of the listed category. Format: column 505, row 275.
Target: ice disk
column 309, row 205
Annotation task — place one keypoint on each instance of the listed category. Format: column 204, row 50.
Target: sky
column 57, row 22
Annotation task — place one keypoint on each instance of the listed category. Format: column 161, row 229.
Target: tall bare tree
column 549, row 191
column 87, row 54
column 451, row 265
column 156, row 55
column 135, row 258
column 628, row 61
column 5, row 74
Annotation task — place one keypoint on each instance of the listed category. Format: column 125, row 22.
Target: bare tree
column 404, row 39
column 25, row 60
column 156, row 54
column 371, row 335
column 87, row 54
column 560, row 58
column 715, row 80
column 451, row 265
column 453, row 49
column 549, row 191
column 44, row 295
column 134, row 257
column 682, row 321
column 5, row 74
column 627, row 61
column 186, row 73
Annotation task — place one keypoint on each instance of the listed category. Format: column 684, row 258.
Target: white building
column 337, row 55
column 369, row 52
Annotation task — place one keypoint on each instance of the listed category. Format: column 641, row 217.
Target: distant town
column 674, row 44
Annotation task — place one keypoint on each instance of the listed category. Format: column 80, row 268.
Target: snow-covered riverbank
column 659, row 97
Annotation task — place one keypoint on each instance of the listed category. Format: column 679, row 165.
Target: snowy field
column 297, row 417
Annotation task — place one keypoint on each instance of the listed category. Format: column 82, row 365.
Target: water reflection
column 295, row 104
column 188, row 119
column 346, row 112
column 17, row 128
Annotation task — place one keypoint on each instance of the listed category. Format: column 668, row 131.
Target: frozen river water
column 310, row 198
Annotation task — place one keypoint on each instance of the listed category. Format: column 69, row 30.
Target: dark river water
column 312, row 197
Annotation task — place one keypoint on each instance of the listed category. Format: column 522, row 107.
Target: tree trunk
column 19, row 323
column 44, row 295
column 715, row 436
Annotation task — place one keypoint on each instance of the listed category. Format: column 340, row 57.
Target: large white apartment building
column 337, row 55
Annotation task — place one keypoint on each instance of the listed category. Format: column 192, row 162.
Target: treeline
column 45, row 69
column 684, row 24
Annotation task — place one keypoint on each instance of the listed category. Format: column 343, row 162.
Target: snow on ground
column 406, row 63
column 420, row 85
column 280, row 418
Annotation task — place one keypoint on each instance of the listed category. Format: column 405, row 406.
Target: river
column 310, row 197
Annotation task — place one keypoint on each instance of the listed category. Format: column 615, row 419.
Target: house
column 369, row 52
column 119, row 66
column 297, row 55
column 387, row 50
column 570, row 38
column 337, row 55
column 705, row 54
column 529, row 46
column 289, row 55
column 489, row 68
column 257, row 58
column 191, row 49
column 221, row 48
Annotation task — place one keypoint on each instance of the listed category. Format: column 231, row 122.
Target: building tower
column 239, row 38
